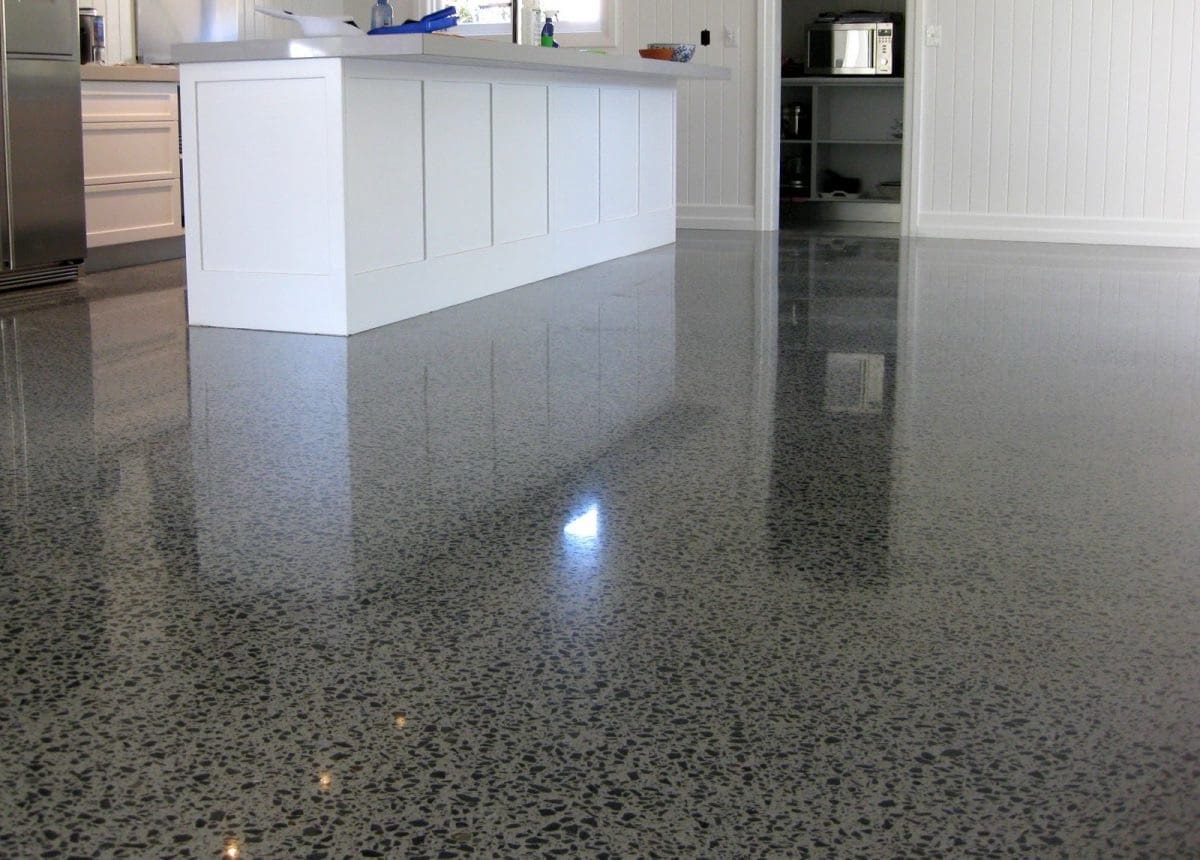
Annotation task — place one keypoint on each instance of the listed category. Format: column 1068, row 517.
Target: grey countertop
column 133, row 72
column 435, row 48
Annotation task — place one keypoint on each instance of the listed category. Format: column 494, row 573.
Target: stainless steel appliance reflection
column 42, row 236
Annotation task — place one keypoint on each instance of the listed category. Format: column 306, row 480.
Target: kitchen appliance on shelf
column 855, row 43
column 91, row 36
column 42, row 233
column 795, row 122
column 794, row 179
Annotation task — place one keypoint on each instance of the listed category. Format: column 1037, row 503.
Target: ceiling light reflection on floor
column 585, row 527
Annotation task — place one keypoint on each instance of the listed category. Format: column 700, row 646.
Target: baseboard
column 1049, row 228
column 107, row 257
column 705, row 217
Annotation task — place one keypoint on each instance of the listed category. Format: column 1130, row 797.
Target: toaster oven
column 852, row 47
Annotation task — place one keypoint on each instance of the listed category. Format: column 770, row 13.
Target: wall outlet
column 731, row 37
column 933, row 36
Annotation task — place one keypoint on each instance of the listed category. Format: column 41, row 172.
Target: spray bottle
column 548, row 32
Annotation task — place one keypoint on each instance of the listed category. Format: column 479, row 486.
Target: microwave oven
column 856, row 47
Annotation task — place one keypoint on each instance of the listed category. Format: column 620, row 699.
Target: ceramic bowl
column 655, row 53
column 681, row 52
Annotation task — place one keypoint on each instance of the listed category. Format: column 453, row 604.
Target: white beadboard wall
column 1061, row 120
column 716, row 119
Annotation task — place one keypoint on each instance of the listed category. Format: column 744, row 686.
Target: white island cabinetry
column 335, row 185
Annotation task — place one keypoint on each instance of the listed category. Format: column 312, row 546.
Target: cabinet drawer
column 132, row 212
column 129, row 151
column 128, row 101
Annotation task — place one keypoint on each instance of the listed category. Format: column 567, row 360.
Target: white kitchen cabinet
column 131, row 177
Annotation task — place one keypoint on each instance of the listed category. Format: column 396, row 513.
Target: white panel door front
column 458, row 167
column 385, row 208
column 618, row 153
column 519, row 155
column 282, row 181
column 574, row 157
column 656, row 172
column 130, row 151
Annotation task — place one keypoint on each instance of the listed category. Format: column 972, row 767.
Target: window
column 577, row 22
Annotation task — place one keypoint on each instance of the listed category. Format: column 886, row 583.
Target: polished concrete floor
column 749, row 546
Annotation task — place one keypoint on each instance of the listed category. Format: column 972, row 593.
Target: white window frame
column 565, row 33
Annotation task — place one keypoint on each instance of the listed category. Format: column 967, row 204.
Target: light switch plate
column 933, row 36
column 731, row 37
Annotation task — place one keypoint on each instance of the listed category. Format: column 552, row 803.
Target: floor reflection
column 835, row 406
column 751, row 545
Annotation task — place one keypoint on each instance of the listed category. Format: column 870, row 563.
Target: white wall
column 716, row 140
column 1061, row 120
column 252, row 25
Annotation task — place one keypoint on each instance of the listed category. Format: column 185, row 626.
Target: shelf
column 892, row 142
column 853, row 200
column 863, row 209
column 853, row 120
column 843, row 81
column 786, row 198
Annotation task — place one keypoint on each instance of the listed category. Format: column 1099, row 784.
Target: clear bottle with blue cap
column 381, row 14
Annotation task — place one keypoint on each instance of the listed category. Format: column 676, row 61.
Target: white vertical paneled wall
column 716, row 120
column 1061, row 120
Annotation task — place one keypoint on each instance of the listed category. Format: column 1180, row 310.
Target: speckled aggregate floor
column 813, row 546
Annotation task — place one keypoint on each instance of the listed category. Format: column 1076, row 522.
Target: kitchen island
column 337, row 184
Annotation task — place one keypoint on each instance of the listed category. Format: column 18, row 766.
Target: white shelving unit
column 854, row 128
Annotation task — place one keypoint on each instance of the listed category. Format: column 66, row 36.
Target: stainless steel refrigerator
column 42, row 234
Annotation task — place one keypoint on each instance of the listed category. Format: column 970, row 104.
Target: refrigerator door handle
column 6, row 225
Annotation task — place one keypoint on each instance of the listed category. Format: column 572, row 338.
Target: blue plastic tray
column 438, row 20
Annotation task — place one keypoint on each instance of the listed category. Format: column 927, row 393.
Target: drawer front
column 129, row 101
column 129, row 151
column 132, row 212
